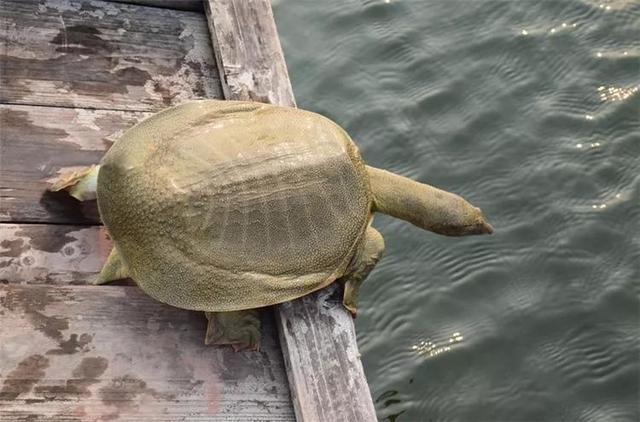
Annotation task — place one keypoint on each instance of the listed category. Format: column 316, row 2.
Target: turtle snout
column 483, row 225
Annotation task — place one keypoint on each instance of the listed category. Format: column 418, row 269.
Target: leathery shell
column 222, row 205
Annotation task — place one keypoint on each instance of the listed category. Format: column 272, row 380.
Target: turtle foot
column 238, row 329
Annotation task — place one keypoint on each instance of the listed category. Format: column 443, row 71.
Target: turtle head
column 471, row 221
column 425, row 206
column 483, row 226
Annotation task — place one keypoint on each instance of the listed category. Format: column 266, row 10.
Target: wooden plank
column 112, row 353
column 317, row 335
column 318, row 342
column 37, row 144
column 248, row 51
column 52, row 254
column 191, row 5
column 98, row 54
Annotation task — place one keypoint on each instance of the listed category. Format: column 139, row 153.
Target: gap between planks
column 186, row 5
column 87, row 108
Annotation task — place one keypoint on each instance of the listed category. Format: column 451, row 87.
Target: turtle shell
column 224, row 205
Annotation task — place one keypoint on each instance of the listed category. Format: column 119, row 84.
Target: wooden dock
column 74, row 74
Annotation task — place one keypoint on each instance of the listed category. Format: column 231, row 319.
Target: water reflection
column 613, row 93
column 590, row 145
column 431, row 349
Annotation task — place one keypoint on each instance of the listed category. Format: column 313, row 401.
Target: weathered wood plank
column 191, row 5
column 52, row 254
column 37, row 144
column 317, row 338
column 248, row 51
column 112, row 353
column 317, row 335
column 98, row 54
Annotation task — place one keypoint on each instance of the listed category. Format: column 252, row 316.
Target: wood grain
column 112, row 353
column 317, row 335
column 105, row 55
column 317, row 338
column 52, row 254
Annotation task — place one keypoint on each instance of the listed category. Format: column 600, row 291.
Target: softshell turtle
column 225, row 207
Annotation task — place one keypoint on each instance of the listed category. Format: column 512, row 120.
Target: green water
column 529, row 109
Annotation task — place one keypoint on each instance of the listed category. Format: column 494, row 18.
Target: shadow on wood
column 63, row 206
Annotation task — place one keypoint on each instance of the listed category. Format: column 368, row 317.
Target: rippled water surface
column 529, row 109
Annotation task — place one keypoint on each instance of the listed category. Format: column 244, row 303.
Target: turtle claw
column 352, row 309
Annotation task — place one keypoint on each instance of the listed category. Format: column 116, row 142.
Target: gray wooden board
column 99, row 54
column 111, row 353
column 39, row 143
column 52, row 253
column 317, row 335
column 248, row 51
column 318, row 342
column 192, row 5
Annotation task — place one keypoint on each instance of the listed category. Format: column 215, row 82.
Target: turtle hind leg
column 113, row 269
column 239, row 329
column 81, row 184
column 367, row 259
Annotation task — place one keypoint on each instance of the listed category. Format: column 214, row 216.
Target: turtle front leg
column 239, row 329
column 371, row 253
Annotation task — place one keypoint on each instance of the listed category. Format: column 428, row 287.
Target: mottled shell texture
column 221, row 206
